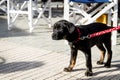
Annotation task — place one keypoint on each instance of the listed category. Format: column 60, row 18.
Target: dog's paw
column 107, row 65
column 88, row 73
column 100, row 62
column 67, row 69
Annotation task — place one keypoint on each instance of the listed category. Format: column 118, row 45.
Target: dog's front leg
column 88, row 63
column 72, row 60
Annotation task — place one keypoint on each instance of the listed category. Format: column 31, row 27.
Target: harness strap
column 79, row 34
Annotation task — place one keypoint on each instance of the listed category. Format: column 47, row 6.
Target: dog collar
column 81, row 37
column 79, row 34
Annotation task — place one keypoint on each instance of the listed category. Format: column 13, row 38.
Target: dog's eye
column 59, row 29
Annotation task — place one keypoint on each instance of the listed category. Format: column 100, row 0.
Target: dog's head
column 62, row 29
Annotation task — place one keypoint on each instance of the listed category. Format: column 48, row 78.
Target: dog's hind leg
column 103, row 51
column 109, row 54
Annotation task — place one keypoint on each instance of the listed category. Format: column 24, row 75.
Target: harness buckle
column 85, row 37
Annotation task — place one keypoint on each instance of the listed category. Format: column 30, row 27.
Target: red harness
column 79, row 34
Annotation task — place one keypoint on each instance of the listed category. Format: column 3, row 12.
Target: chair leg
column 50, row 14
column 30, row 16
column 3, row 8
column 8, row 15
column 41, row 13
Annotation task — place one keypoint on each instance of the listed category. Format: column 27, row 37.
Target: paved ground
column 36, row 56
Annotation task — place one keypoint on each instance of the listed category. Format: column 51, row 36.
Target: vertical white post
column 66, row 9
column 8, row 14
column 50, row 14
column 115, row 22
column 30, row 16
column 109, row 17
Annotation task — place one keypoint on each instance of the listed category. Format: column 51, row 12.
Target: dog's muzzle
column 54, row 36
column 57, row 36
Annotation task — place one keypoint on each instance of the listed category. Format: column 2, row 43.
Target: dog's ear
column 70, row 27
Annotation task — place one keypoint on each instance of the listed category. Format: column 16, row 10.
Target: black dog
column 66, row 30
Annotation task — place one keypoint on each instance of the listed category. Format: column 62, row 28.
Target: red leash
column 99, row 33
column 104, row 32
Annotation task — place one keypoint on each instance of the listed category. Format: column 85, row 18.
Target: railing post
column 66, row 9
column 115, row 22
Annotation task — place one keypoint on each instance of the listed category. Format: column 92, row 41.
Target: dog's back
column 94, row 27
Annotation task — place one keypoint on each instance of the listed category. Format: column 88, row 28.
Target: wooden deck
column 25, row 56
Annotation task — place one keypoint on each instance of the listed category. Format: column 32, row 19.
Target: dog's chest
column 79, row 45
